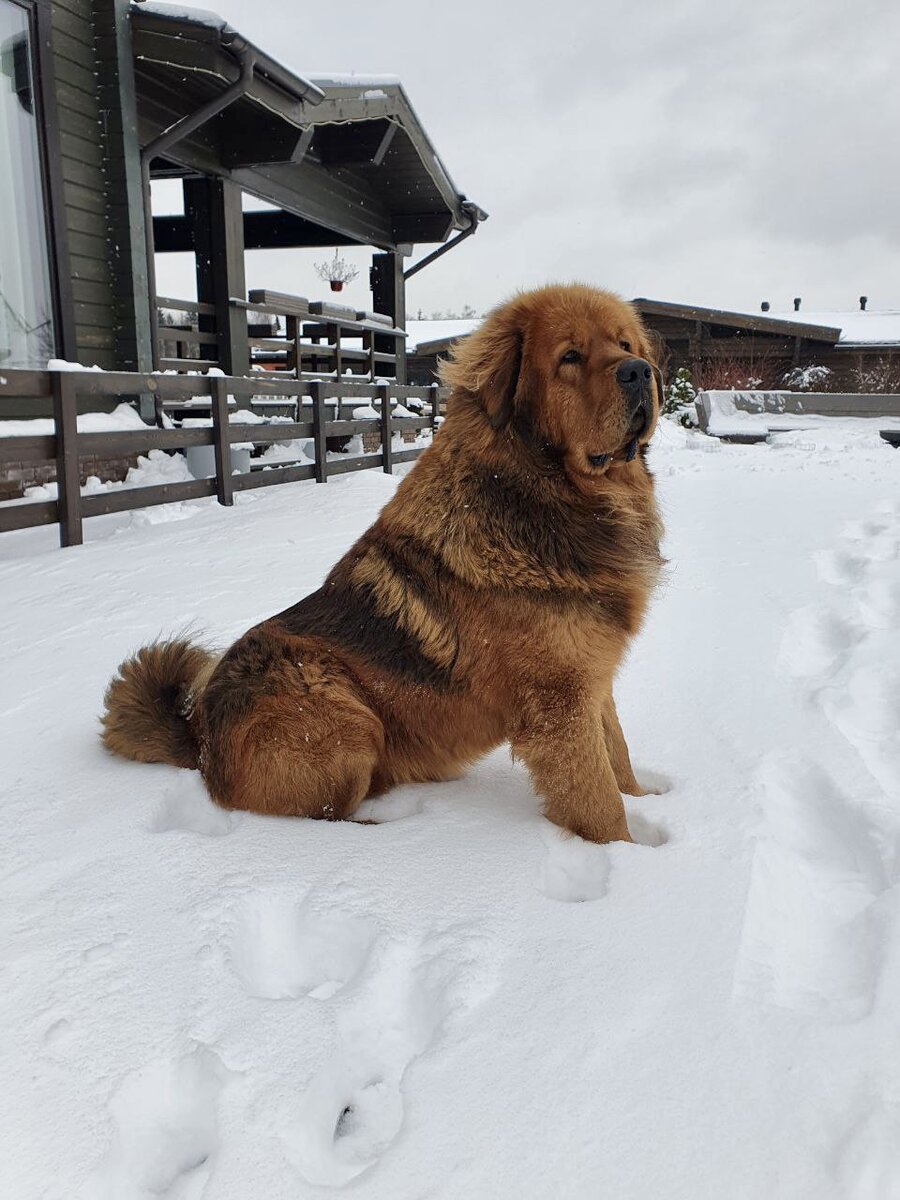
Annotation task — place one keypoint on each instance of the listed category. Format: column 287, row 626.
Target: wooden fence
column 313, row 399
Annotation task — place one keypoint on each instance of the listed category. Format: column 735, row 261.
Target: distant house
column 859, row 350
column 723, row 348
column 100, row 97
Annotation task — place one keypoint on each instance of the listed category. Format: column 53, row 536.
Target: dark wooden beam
column 422, row 227
column 389, row 296
column 262, row 231
column 357, row 211
column 213, row 209
column 363, row 143
column 282, row 230
column 252, row 145
column 172, row 235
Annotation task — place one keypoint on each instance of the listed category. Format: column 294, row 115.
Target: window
column 26, row 301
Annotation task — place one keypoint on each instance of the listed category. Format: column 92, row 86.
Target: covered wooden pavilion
column 111, row 95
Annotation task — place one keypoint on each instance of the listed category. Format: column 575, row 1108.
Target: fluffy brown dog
column 491, row 601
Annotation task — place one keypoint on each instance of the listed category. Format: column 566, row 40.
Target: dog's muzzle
column 635, row 378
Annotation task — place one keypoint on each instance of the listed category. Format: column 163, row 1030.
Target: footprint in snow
column 811, row 939
column 814, row 642
column 866, row 710
column 879, row 602
column 653, row 783
column 397, row 805
column 353, row 1109
column 58, row 1035
column 164, row 1130
column 187, row 808
column 575, row 870
column 875, row 540
column 839, row 567
column 868, row 1163
column 101, row 950
column 282, row 948
column 851, row 658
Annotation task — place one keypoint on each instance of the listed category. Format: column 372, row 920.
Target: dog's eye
column 570, row 356
column 626, row 346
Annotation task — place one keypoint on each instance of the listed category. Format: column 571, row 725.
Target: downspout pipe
column 476, row 216
column 186, row 125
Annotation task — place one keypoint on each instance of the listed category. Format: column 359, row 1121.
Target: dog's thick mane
column 498, row 525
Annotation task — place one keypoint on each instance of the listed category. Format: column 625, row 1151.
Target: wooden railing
column 306, row 339
column 314, row 399
column 322, row 338
column 192, row 344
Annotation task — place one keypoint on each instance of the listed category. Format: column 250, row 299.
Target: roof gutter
column 475, row 214
column 251, row 62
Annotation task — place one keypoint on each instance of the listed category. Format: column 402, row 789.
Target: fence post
column 221, row 444
column 319, row 447
column 387, row 459
column 68, row 475
column 435, row 406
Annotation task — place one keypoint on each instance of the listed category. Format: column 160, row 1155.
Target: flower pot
column 336, row 284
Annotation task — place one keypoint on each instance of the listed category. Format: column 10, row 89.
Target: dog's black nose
column 634, row 377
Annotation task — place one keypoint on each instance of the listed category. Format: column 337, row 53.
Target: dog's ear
column 487, row 366
column 654, row 347
column 656, row 352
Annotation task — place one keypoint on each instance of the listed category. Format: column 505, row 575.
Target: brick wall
column 15, row 477
column 372, row 441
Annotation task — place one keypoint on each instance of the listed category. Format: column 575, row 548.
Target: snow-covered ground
column 459, row 1002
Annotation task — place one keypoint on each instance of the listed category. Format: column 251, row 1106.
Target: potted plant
column 337, row 271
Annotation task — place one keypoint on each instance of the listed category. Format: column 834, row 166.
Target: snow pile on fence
column 123, row 416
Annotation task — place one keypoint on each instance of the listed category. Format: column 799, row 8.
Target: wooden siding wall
column 84, row 182
column 101, row 188
column 121, row 158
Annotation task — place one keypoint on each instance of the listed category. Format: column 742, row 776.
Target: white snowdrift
column 459, row 1002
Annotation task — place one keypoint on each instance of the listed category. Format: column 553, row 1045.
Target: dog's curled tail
column 149, row 701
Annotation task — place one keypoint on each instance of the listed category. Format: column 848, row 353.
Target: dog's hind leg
column 299, row 741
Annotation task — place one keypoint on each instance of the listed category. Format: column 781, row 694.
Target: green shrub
column 680, row 397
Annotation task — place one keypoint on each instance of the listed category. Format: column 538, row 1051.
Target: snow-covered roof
column 858, row 327
column 325, row 79
column 422, row 333
column 192, row 49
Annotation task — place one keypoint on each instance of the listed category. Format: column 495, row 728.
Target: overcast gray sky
column 710, row 152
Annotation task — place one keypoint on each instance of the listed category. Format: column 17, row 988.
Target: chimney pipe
column 765, row 306
column 796, row 304
column 863, row 301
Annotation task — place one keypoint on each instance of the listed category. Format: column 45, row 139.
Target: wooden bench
column 748, row 417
